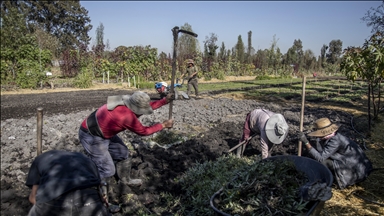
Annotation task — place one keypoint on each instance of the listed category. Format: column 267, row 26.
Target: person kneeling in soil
column 344, row 157
column 64, row 183
column 271, row 127
column 98, row 133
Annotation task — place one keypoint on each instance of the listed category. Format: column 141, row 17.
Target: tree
column 100, row 35
column 66, row 20
column 334, row 51
column 323, row 54
column 22, row 59
column 222, row 52
column 249, row 48
column 367, row 62
column 375, row 18
column 187, row 47
column 240, row 50
column 274, row 56
column 309, row 59
column 210, row 48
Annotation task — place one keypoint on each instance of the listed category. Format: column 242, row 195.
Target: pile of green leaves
column 268, row 187
column 202, row 180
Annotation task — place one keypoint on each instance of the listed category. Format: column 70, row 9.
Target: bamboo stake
column 39, row 130
column 302, row 115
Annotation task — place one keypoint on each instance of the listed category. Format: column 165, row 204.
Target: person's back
column 64, row 182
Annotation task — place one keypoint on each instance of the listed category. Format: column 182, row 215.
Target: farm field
column 211, row 125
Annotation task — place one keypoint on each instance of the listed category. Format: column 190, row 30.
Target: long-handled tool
column 175, row 32
column 240, row 144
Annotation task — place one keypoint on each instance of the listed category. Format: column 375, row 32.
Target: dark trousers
column 193, row 82
column 104, row 152
column 84, row 202
column 329, row 164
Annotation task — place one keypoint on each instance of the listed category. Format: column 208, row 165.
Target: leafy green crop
column 265, row 188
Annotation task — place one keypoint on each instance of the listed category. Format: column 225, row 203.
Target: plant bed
column 272, row 187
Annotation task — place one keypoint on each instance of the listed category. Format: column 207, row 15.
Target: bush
column 84, row 79
column 146, row 85
column 30, row 75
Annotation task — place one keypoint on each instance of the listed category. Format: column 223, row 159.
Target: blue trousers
column 104, row 151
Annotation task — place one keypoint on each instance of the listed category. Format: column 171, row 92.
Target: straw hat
column 138, row 102
column 323, row 128
column 190, row 61
column 276, row 128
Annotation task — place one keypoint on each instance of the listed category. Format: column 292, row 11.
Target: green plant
column 265, row 188
column 212, row 176
column 84, row 79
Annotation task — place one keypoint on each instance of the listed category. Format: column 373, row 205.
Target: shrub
column 84, row 79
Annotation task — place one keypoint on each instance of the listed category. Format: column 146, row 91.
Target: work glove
column 302, row 137
column 170, row 97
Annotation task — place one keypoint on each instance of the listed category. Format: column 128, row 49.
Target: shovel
column 240, row 144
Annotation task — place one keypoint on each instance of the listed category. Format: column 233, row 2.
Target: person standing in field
column 192, row 77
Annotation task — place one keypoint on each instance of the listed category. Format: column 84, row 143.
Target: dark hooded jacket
column 350, row 163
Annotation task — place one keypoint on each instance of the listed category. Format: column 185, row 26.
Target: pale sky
column 134, row 23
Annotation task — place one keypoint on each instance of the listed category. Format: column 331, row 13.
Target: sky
column 142, row 23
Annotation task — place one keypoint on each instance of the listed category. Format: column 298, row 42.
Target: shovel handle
column 240, row 144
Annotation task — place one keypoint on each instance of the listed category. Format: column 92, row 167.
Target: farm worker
column 271, row 127
column 346, row 160
column 192, row 77
column 98, row 133
column 64, row 183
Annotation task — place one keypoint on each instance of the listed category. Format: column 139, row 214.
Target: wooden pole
column 301, row 115
column 39, row 130
column 175, row 32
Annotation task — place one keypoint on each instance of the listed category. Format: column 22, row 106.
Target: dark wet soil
column 215, row 123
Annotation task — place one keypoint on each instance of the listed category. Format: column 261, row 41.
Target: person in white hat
column 98, row 133
column 271, row 127
column 344, row 157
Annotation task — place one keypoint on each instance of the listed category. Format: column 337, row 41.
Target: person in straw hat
column 192, row 77
column 271, row 127
column 98, row 133
column 344, row 157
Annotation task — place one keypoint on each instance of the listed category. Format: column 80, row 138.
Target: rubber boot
column 239, row 152
column 123, row 170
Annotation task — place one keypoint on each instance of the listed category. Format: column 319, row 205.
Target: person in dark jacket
column 344, row 157
column 64, row 183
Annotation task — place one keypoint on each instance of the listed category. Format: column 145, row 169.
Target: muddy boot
column 123, row 170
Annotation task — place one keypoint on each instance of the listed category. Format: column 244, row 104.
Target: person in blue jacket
column 343, row 157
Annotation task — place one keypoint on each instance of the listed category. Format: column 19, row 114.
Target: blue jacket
column 350, row 163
